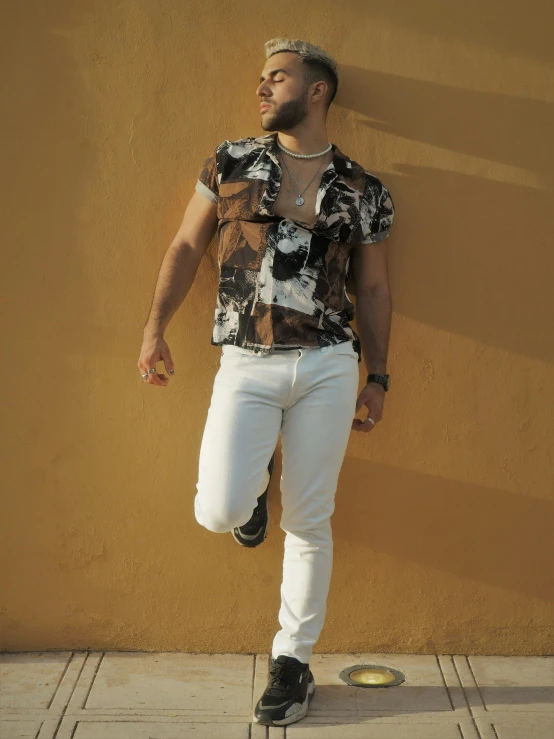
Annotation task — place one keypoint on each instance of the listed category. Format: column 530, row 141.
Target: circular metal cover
column 371, row 676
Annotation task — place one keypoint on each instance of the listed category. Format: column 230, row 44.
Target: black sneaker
column 254, row 531
column 289, row 691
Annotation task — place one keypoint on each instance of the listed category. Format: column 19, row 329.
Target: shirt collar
column 341, row 163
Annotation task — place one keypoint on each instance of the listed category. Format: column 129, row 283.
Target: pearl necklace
column 305, row 156
column 300, row 200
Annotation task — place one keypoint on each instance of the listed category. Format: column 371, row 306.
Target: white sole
column 265, row 534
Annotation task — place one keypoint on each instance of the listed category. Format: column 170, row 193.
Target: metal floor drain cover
column 371, row 676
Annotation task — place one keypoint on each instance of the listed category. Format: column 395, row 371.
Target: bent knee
column 218, row 527
column 220, row 521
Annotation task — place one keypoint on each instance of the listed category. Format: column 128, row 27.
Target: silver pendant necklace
column 300, row 200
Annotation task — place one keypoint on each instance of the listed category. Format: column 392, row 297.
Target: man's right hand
column 155, row 349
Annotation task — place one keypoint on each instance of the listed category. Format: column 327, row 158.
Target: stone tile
column 113, row 728
column 508, row 684
column 369, row 728
column 431, row 688
column 516, row 726
column 15, row 726
column 172, row 695
column 257, row 731
column 38, row 683
column 166, row 684
column 261, row 669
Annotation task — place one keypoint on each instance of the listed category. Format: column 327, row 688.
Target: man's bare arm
column 177, row 273
column 373, row 302
column 181, row 262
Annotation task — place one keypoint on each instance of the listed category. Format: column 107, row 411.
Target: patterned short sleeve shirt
column 282, row 285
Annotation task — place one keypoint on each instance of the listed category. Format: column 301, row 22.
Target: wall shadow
column 479, row 244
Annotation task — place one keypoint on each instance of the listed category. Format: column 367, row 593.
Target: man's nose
column 262, row 91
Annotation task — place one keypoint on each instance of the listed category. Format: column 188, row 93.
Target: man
column 292, row 214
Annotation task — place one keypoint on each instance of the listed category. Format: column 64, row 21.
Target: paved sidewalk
column 175, row 695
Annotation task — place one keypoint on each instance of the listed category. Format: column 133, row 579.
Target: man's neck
column 304, row 142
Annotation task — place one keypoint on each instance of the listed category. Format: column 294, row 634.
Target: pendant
column 300, row 201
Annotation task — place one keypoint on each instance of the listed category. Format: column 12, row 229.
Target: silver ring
column 152, row 370
column 371, row 420
column 145, row 376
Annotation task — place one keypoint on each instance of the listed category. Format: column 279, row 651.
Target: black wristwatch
column 381, row 379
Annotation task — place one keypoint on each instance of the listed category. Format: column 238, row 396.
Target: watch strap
column 381, row 379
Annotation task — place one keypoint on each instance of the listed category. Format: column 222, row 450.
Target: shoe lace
column 282, row 677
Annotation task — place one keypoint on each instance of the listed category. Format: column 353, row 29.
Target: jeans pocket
column 346, row 351
column 233, row 350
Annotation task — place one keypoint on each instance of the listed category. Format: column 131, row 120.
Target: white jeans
column 309, row 396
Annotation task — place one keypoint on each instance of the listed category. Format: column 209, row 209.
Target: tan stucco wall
column 443, row 519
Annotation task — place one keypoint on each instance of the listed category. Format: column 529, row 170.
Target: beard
column 288, row 116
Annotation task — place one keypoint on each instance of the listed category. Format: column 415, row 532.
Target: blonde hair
column 310, row 53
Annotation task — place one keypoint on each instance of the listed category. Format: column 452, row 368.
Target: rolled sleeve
column 207, row 183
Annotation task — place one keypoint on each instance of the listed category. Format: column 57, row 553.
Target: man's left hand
column 373, row 397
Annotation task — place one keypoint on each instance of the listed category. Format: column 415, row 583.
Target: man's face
column 282, row 86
